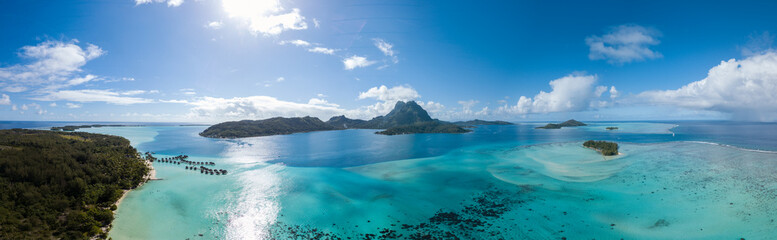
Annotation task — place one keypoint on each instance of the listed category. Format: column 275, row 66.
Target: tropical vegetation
column 63, row 185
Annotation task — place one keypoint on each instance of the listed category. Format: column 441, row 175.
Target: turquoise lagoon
column 673, row 181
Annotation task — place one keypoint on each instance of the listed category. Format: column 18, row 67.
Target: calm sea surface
column 674, row 180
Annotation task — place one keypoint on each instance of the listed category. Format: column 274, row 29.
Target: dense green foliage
column 481, row 122
column 62, row 184
column 568, row 123
column 606, row 148
column 424, row 127
column 76, row 127
column 266, row 127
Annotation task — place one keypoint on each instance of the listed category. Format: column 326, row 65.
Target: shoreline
column 149, row 177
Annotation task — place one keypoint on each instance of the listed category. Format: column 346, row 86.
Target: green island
column 71, row 128
column 612, row 128
column 266, row 127
column 424, row 127
column 405, row 118
column 604, row 147
column 481, row 122
column 568, row 123
column 63, row 185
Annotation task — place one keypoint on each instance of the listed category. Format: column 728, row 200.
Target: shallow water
column 499, row 181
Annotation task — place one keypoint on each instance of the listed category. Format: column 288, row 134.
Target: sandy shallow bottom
column 673, row 190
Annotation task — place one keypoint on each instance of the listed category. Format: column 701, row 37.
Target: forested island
column 266, row 127
column 71, row 128
column 405, row 118
column 612, row 128
column 63, row 185
column 481, row 122
column 568, row 123
column 604, row 147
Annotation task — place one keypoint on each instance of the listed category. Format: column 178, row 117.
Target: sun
column 250, row 8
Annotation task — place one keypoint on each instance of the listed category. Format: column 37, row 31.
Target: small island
column 70, row 128
column 481, row 122
column 63, row 185
column 568, row 123
column 604, row 147
column 405, row 118
column 612, row 128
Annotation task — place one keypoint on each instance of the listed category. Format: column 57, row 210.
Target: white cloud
column 624, row 44
column 134, row 92
column 383, row 93
column 744, row 88
column 53, row 63
column 386, row 47
column 321, row 95
column 14, row 108
column 214, row 25
column 5, row 100
column 323, row 50
column 316, row 23
column 613, row 92
column 431, row 107
column 53, row 105
column 72, row 105
column 322, row 102
column 280, row 79
column 356, row 61
column 267, row 17
column 170, row 3
column 298, row 42
column 91, row 95
column 15, row 89
column 388, row 98
column 571, row 93
column 466, row 106
column 256, row 107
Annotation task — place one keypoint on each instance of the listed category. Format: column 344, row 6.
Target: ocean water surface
column 673, row 180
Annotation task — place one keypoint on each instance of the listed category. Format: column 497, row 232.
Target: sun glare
column 250, row 8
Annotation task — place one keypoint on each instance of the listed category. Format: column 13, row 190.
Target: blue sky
column 215, row 60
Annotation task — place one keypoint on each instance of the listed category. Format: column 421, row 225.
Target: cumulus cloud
column 467, row 106
column 92, row 95
column 323, row 50
column 5, row 100
column 744, row 88
column 383, row 93
column 575, row 92
column 624, row 44
column 388, row 97
column 214, row 25
column 356, row 61
column 52, row 63
column 257, row 107
column 322, row 102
